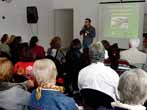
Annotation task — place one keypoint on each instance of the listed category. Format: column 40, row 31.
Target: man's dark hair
column 75, row 44
column 33, row 41
column 17, row 40
column 88, row 19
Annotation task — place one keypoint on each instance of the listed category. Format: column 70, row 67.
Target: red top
column 38, row 52
column 25, row 69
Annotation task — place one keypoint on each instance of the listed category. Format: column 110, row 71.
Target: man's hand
column 82, row 32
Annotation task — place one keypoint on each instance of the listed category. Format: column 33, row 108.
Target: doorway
column 63, row 25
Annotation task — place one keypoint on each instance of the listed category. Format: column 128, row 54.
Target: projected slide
column 120, row 20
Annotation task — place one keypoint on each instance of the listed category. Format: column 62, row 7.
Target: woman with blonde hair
column 48, row 96
column 13, row 96
column 6, row 69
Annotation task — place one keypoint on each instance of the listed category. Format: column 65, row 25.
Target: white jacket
column 99, row 77
column 133, row 56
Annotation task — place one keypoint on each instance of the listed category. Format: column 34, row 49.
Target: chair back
column 95, row 98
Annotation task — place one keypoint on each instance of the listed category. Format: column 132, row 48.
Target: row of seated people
column 98, row 77
column 133, row 56
column 15, row 49
column 119, row 61
column 100, row 88
column 74, row 60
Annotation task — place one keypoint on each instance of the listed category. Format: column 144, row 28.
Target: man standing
column 88, row 33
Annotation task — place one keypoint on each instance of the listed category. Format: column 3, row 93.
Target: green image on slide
column 123, row 22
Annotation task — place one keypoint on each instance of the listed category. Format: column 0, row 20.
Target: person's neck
column 52, row 86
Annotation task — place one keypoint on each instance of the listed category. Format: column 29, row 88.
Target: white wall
column 145, row 6
column 60, row 4
column 64, row 25
column 83, row 9
column 15, row 12
column 16, row 21
column 71, row 4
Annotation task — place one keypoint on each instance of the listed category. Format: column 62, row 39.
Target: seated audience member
column 55, row 50
column 25, row 53
column 12, row 37
column 13, row 96
column 24, row 69
column 56, row 54
column 4, row 54
column 132, row 90
column 73, row 64
column 106, row 44
column 114, row 60
column 97, row 76
column 15, row 47
column 23, row 72
column 48, row 96
column 87, row 53
column 37, row 51
column 133, row 55
column 11, row 40
column 4, row 44
column 25, row 64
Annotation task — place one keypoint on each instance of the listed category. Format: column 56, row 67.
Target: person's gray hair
column 97, row 52
column 45, row 71
column 134, row 43
column 132, row 87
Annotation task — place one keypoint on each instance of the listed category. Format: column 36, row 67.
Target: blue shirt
column 88, row 36
column 52, row 100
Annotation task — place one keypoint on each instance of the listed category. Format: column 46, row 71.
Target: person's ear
column 53, row 78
